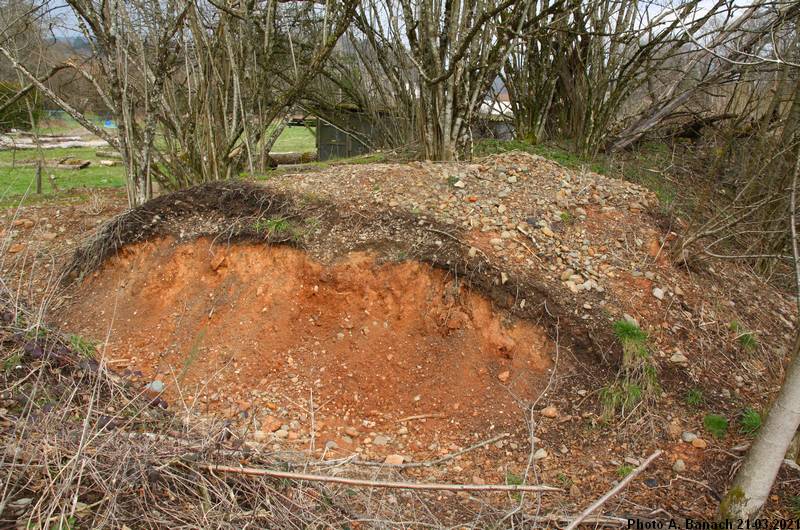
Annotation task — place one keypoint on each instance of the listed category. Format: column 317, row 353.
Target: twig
column 616, row 489
column 373, row 483
column 420, row 417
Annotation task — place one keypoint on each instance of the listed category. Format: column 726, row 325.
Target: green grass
column 637, row 378
column 295, row 140
column 747, row 339
column 624, row 470
column 694, row 397
column 15, row 182
column 750, row 422
column 85, row 348
column 716, row 424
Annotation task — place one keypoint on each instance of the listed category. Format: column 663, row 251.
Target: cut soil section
column 257, row 330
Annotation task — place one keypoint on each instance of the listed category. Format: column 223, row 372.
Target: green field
column 18, row 181
column 295, row 139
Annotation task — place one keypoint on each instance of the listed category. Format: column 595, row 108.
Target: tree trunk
column 753, row 482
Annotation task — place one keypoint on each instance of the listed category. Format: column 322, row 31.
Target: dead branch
column 261, row 472
column 616, row 489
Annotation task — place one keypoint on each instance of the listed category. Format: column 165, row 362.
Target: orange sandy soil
column 256, row 331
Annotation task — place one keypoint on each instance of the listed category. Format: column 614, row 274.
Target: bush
column 16, row 116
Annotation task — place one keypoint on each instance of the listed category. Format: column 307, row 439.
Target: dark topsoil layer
column 231, row 212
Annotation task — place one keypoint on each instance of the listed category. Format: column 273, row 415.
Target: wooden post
column 39, row 178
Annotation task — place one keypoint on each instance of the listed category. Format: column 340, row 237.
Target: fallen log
column 293, row 158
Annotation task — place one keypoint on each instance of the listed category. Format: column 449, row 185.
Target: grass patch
column 637, row 379
column 750, row 421
column 273, row 226
column 747, row 339
column 85, row 348
column 694, row 397
column 296, row 140
column 716, row 424
column 624, row 470
column 17, row 182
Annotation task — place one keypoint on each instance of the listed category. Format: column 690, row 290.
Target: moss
column 730, row 504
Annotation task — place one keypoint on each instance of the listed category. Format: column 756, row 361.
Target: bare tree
column 579, row 74
column 199, row 77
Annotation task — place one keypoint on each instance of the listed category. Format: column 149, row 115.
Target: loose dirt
column 259, row 331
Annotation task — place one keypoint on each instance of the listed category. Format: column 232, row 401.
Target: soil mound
column 257, row 331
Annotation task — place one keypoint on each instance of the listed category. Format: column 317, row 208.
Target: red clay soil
column 252, row 329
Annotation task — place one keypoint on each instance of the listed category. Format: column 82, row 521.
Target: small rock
column 394, row 460
column 549, row 412
column 460, row 184
column 381, row 440
column 503, row 376
column 283, row 433
column 546, row 231
column 17, row 247
column 329, row 445
column 658, row 293
column 540, row 454
column 679, row 358
column 688, row 437
column 679, row 466
column 699, row 443
column 156, row 386
column 260, row 436
column 351, row 431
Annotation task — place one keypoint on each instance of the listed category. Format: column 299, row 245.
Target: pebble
column 679, row 466
column 394, row 460
column 540, row 454
column 658, row 293
column 549, row 412
column 156, row 386
column 699, row 443
column 679, row 358
column 688, row 437
column 503, row 376
column 380, row 440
